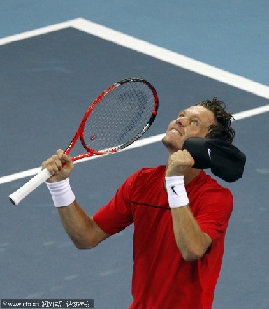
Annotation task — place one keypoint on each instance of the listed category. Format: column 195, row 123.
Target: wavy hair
column 222, row 129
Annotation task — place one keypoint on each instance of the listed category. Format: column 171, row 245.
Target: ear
column 224, row 159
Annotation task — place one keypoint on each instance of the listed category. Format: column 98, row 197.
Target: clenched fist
column 179, row 162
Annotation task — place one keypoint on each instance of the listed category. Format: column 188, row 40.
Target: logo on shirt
column 209, row 153
column 173, row 189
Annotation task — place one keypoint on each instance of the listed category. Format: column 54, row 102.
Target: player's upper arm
column 92, row 238
column 98, row 234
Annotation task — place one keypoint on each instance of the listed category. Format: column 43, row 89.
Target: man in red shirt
column 180, row 216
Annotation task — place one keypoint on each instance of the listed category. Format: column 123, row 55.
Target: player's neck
column 190, row 175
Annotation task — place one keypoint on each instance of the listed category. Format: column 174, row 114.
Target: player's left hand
column 179, row 163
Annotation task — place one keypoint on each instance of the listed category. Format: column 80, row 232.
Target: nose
column 181, row 121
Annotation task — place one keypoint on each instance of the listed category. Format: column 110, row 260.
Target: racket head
column 120, row 115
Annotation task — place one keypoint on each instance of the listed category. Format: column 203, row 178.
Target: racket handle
column 29, row 186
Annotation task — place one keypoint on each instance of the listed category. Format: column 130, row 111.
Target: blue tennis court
column 47, row 80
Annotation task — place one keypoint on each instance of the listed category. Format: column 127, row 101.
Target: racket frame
column 41, row 177
column 80, row 131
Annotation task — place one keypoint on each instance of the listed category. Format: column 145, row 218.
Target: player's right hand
column 60, row 166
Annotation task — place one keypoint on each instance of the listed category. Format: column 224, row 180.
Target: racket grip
column 29, row 186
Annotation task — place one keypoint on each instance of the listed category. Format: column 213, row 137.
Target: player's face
column 193, row 121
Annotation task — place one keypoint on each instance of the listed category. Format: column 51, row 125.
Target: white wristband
column 61, row 193
column 177, row 195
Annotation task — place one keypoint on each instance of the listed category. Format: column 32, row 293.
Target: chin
column 172, row 145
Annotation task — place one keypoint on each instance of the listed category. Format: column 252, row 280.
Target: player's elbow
column 196, row 250
column 84, row 247
column 82, row 244
column 190, row 255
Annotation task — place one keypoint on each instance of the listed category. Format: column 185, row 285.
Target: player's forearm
column 82, row 229
column 191, row 241
column 78, row 225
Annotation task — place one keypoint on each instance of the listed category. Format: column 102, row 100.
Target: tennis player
column 180, row 216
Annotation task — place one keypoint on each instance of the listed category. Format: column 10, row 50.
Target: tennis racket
column 120, row 115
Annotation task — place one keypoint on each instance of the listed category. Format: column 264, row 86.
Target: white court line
column 251, row 112
column 171, row 57
column 36, row 32
column 153, row 51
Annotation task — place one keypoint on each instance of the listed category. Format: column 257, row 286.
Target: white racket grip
column 29, row 186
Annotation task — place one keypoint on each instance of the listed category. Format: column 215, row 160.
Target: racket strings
column 119, row 117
